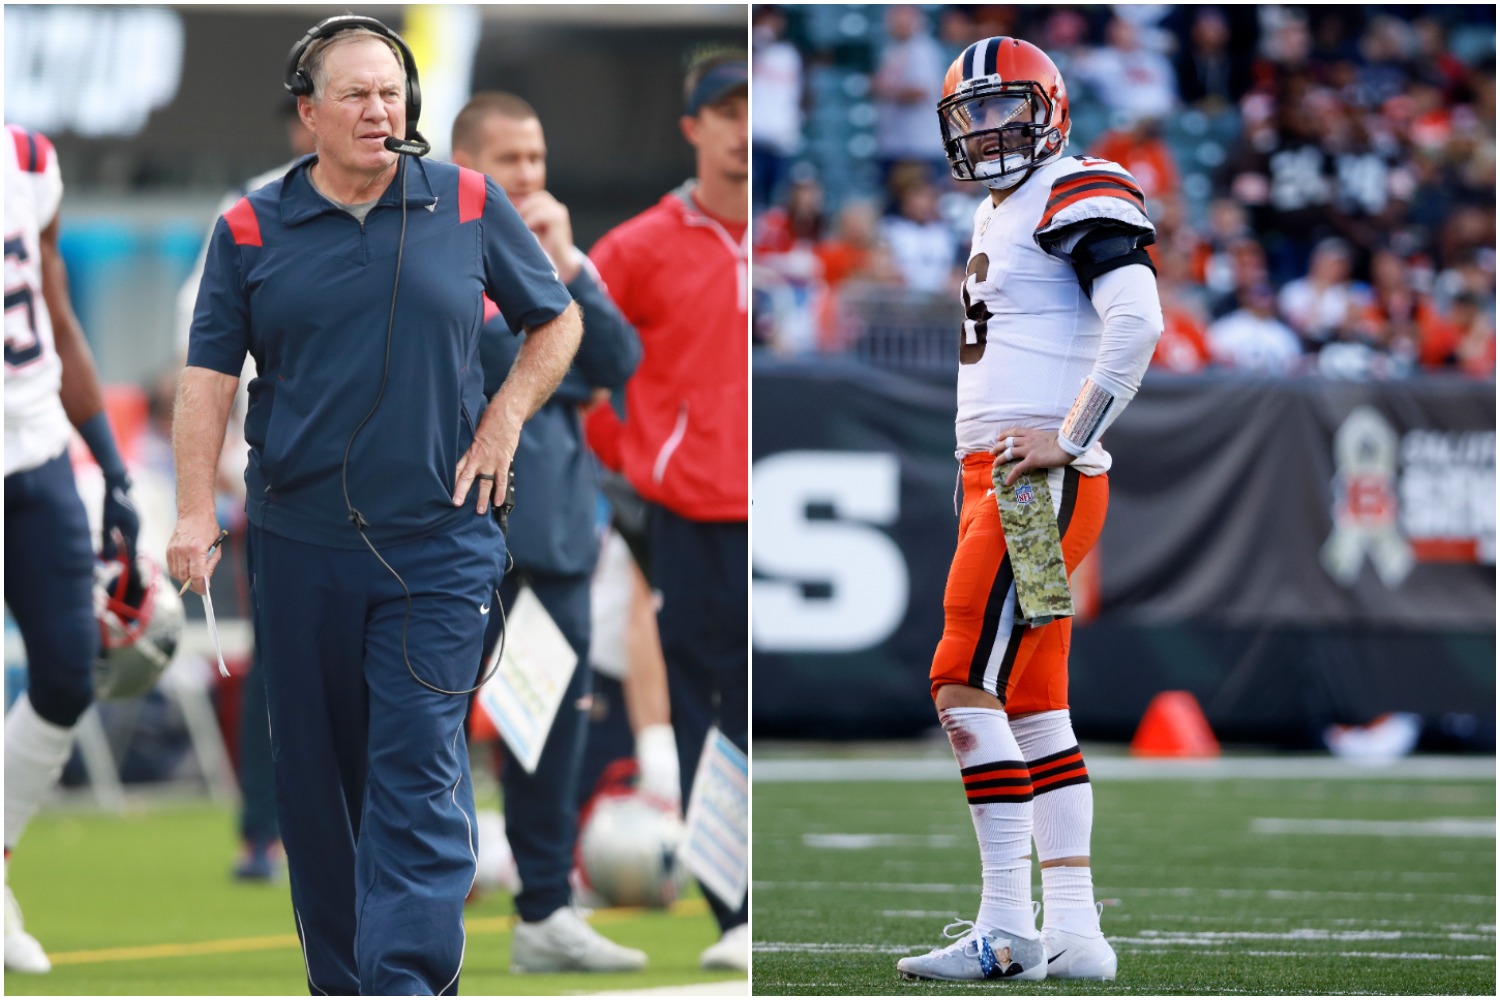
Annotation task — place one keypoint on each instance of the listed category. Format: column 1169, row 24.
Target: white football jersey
column 1030, row 334
column 36, row 426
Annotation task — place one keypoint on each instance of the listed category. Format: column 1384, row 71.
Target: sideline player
column 679, row 272
column 552, row 537
column 50, row 388
column 1061, row 317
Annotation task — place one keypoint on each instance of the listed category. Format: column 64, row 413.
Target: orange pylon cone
column 1174, row 726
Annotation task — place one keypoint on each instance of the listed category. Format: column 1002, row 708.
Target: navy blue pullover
column 305, row 288
column 552, row 529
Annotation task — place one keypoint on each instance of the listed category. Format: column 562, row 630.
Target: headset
column 299, row 84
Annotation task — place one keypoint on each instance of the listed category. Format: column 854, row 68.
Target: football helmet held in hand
column 140, row 623
column 1004, row 112
column 627, row 845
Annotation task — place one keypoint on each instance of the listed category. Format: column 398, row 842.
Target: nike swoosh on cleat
column 1057, row 956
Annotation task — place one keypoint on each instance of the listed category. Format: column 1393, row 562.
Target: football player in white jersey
column 1060, row 319
column 50, row 389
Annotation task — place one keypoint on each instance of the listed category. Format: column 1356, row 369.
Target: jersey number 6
column 975, row 327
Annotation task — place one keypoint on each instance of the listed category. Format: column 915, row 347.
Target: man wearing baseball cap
column 680, row 273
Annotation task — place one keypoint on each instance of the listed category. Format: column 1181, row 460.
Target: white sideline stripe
column 943, row 768
column 867, row 841
column 1300, row 934
column 718, row 988
column 824, row 948
column 1445, row 827
column 969, row 887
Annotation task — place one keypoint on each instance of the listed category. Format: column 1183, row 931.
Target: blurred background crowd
column 1322, row 178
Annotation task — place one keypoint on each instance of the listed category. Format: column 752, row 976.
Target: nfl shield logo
column 1024, row 493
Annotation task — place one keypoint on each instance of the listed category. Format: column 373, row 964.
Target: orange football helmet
column 1004, row 112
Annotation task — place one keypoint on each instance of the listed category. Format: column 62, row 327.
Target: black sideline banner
column 1294, row 552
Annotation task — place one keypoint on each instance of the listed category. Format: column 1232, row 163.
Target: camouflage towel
column 1035, row 548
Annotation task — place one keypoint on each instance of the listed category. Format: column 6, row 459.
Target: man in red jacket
column 679, row 272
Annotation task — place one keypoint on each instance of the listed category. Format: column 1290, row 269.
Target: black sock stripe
column 998, row 783
column 994, row 608
column 979, row 800
column 1082, row 779
column 1043, row 761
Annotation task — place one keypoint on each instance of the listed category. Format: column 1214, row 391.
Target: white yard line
column 941, row 767
column 1441, row 827
column 870, row 841
column 829, row 948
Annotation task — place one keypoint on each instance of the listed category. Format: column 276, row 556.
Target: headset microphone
column 413, row 145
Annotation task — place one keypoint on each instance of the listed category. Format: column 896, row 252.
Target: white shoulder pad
column 1093, row 189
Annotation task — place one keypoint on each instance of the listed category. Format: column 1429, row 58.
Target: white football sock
column 998, row 787
column 35, row 752
column 1064, row 818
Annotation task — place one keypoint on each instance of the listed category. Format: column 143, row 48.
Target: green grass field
column 1279, row 876
column 143, row 904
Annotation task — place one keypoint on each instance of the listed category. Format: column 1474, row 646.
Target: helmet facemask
column 997, row 133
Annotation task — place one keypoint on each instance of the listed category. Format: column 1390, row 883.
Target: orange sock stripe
column 1048, row 764
column 1021, row 773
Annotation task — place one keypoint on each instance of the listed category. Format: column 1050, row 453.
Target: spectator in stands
column 1325, row 304
column 1252, row 339
column 1385, row 48
column 1131, row 80
column 921, row 243
column 1397, row 319
column 908, row 83
column 1138, row 147
column 851, row 252
column 1212, row 75
column 776, row 118
column 782, row 228
column 1278, row 172
column 1183, row 346
column 1066, row 32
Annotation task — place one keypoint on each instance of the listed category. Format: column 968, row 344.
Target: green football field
column 1281, row 875
column 143, row 904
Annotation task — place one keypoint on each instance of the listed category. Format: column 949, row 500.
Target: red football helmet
column 1004, row 112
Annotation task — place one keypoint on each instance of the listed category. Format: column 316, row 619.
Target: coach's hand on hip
column 188, row 555
column 487, row 462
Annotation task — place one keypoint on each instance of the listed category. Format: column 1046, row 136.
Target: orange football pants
column 984, row 646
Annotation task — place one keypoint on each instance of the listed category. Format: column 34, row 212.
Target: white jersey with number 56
column 36, row 426
column 1030, row 333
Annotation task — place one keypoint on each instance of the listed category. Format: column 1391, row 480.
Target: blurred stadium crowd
column 1322, row 178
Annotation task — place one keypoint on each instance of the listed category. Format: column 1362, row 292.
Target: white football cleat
column 1073, row 956
column 565, row 943
column 23, row 953
column 731, row 952
column 975, row 955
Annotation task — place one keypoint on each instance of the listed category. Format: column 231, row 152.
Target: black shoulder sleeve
column 1103, row 247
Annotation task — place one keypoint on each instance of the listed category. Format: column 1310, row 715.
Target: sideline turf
column 88, row 882
column 1199, row 899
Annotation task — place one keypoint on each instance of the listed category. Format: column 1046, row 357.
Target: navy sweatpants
column 702, row 569
column 541, row 809
column 49, row 587
column 372, row 769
